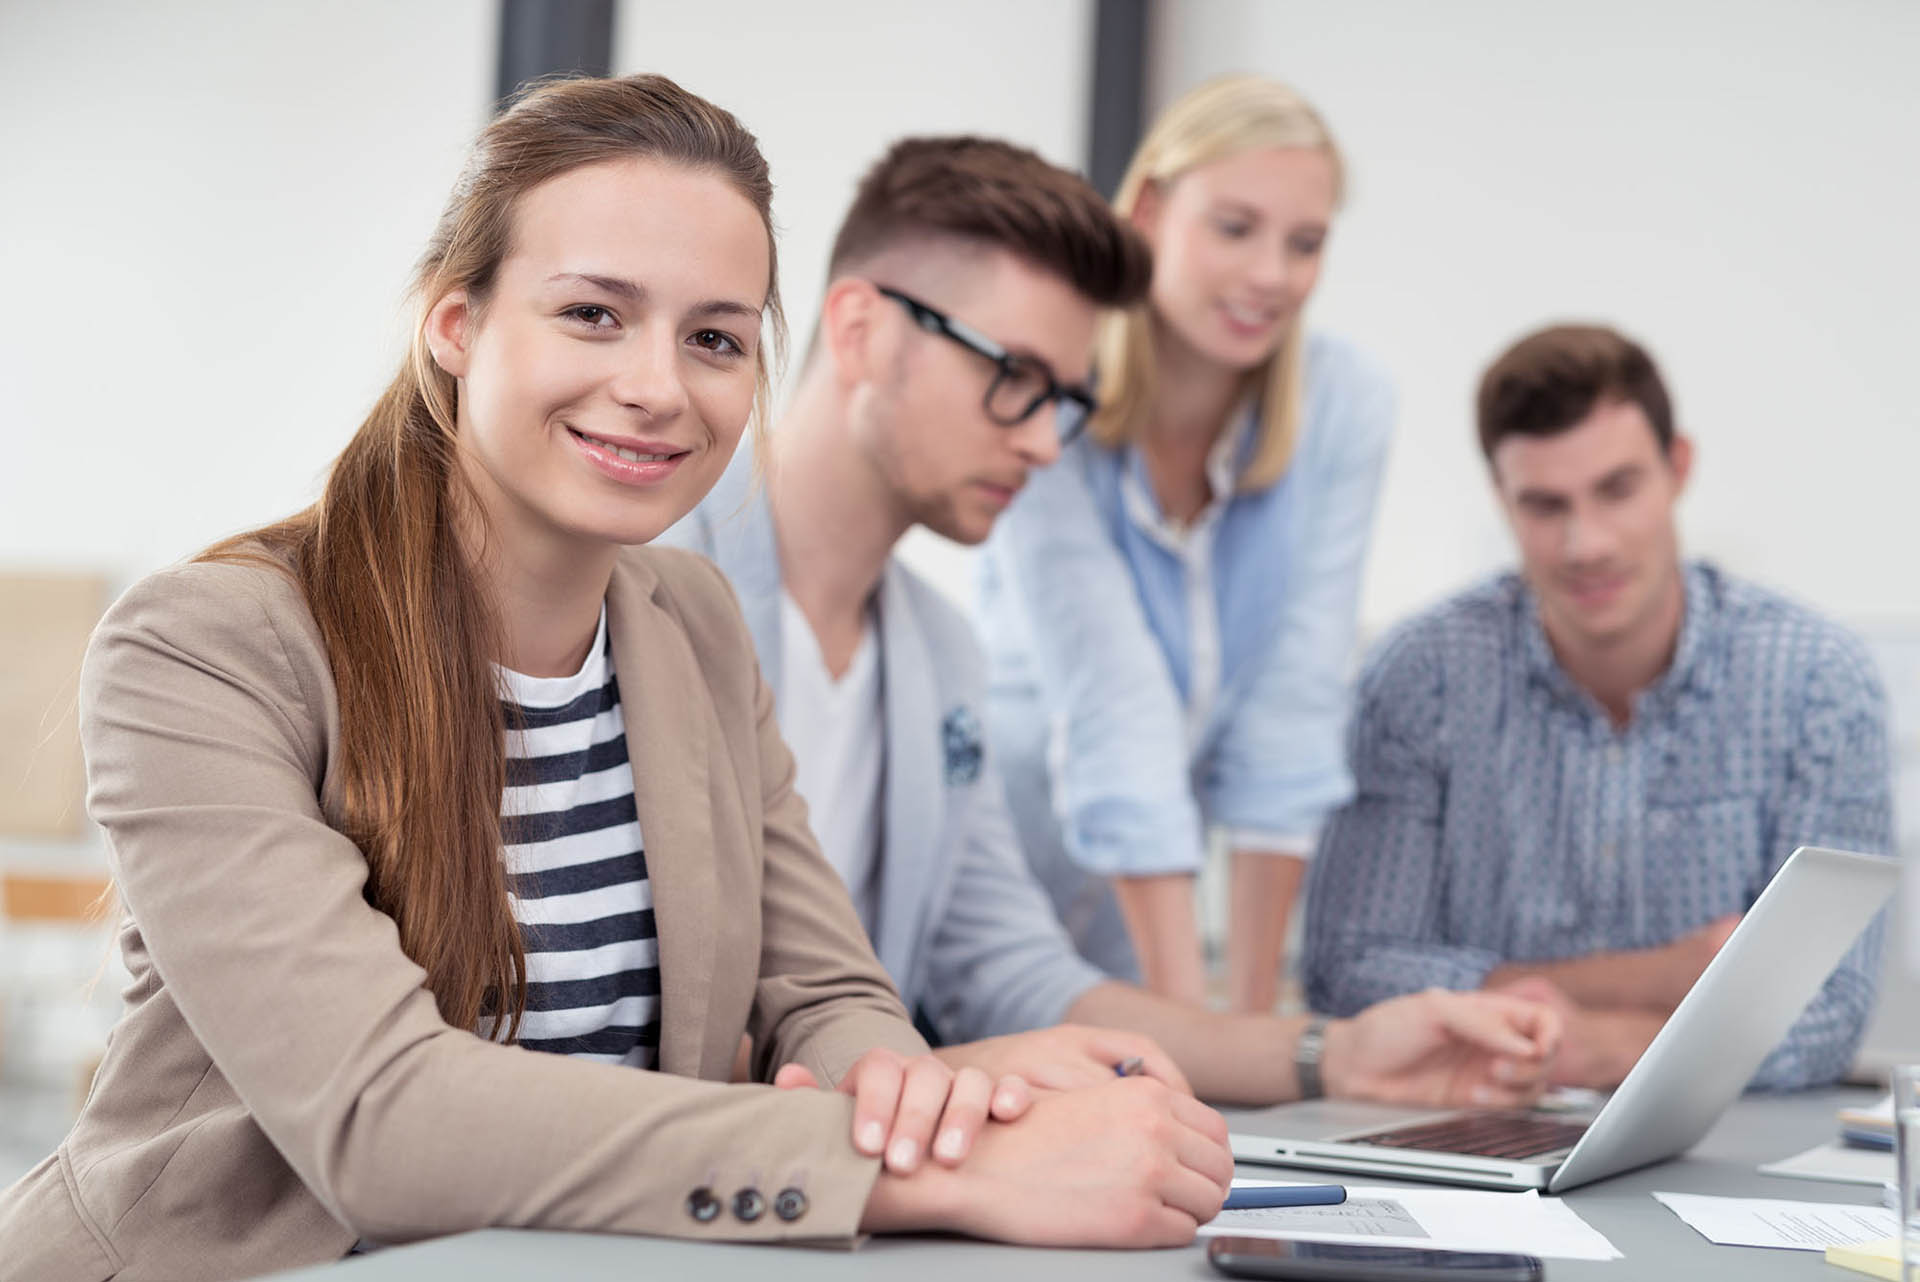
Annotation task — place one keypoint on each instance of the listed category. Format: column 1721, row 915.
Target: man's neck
column 1616, row 671
column 835, row 520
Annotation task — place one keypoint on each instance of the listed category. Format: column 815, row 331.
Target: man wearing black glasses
column 951, row 359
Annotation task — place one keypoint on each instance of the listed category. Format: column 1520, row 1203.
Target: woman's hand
column 899, row 1104
column 1127, row 1163
column 1444, row 1048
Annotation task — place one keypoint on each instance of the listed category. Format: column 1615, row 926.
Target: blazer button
column 749, row 1205
column 790, row 1204
column 702, row 1205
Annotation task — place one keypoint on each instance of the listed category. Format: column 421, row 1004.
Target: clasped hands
column 1101, row 1160
column 1130, row 1162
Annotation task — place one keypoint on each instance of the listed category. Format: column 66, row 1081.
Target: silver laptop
column 1804, row 922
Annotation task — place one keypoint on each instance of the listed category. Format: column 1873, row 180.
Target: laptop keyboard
column 1513, row 1136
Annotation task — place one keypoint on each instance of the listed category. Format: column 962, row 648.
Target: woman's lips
column 610, row 459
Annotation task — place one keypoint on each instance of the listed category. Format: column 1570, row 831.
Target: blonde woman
column 1171, row 609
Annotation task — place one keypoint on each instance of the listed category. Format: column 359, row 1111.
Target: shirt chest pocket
column 1702, row 858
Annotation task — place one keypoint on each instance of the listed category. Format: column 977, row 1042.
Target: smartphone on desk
column 1258, row 1257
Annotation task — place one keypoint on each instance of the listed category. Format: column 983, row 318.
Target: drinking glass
column 1906, row 1143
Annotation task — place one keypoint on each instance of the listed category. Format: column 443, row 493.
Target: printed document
column 1434, row 1219
column 1765, row 1221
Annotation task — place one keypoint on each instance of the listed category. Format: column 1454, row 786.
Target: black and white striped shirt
column 577, row 870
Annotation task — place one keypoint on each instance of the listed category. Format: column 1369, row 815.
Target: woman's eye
column 1306, row 246
column 592, row 314
column 1233, row 230
column 714, row 341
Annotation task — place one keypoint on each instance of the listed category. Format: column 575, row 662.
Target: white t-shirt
column 837, row 731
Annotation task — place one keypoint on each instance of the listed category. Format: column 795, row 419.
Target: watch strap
column 1307, row 1054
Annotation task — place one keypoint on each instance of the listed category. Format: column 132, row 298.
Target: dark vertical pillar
column 1119, row 89
column 548, row 37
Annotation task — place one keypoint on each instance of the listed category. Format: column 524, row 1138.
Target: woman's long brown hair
column 410, row 632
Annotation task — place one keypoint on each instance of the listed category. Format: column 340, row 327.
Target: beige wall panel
column 44, row 623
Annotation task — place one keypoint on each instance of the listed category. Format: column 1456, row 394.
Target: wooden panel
column 74, row 899
column 45, row 620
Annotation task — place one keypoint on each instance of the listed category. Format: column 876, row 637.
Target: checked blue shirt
column 1500, row 816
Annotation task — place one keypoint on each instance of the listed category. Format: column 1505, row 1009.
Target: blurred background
column 212, row 207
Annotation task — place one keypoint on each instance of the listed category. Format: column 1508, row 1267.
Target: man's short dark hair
column 995, row 194
column 1553, row 378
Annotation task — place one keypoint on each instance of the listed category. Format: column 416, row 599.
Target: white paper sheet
column 1765, row 1221
column 1436, row 1219
column 1841, row 1163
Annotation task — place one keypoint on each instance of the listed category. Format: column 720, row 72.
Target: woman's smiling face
column 1237, row 247
column 605, row 379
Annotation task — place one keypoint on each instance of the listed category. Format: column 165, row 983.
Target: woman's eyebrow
column 634, row 292
column 1233, row 205
column 615, row 285
column 725, row 307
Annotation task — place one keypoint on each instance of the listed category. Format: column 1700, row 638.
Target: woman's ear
column 1147, row 208
column 448, row 331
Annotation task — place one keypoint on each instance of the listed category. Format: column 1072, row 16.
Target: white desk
column 1655, row 1243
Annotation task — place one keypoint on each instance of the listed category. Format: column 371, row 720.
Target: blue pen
column 1262, row 1197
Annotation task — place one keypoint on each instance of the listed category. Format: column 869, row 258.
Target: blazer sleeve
column 202, row 725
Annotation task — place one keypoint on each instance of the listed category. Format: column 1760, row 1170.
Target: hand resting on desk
column 1128, row 1163
column 898, row 1104
column 1438, row 1048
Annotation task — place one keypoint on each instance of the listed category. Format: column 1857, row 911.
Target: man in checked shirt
column 1571, row 781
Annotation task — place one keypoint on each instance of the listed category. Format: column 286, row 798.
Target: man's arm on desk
column 1425, row 1048
column 1652, row 979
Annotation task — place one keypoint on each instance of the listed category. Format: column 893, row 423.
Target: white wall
column 1733, row 181
column 211, row 209
column 827, row 86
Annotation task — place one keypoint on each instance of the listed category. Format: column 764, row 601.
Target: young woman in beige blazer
column 297, row 748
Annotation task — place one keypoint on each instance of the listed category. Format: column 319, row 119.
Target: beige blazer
column 281, row 1085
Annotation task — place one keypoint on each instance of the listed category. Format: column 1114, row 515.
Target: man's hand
column 898, row 1104
column 1127, row 1163
column 1443, row 1048
column 1597, row 1047
column 1066, row 1057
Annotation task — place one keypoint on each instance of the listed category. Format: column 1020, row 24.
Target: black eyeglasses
column 1021, row 384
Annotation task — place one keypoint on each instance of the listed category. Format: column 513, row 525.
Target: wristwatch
column 1307, row 1053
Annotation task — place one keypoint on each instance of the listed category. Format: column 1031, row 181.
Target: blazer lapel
column 663, row 699
column 914, row 810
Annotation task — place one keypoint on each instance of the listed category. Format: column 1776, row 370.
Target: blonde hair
column 1221, row 118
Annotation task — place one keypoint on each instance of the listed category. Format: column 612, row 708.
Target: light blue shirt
column 1150, row 680
column 1501, row 817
